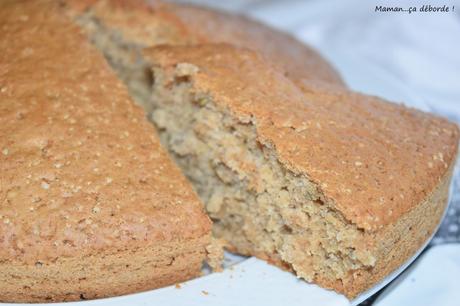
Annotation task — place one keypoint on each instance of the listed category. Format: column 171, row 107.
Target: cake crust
column 82, row 171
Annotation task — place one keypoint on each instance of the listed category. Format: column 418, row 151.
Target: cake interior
column 124, row 56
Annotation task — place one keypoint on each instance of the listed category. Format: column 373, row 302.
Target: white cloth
column 419, row 51
column 432, row 280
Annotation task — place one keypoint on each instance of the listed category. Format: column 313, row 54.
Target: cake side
column 259, row 201
column 102, row 274
column 82, row 172
column 402, row 239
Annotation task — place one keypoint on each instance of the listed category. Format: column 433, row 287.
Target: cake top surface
column 298, row 60
column 158, row 23
column 82, row 170
column 373, row 159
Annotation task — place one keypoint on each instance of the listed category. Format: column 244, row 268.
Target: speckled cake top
column 81, row 169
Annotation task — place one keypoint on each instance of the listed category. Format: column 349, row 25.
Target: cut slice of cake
column 91, row 205
column 339, row 187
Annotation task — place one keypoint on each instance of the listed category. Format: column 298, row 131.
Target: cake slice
column 339, row 187
column 91, row 205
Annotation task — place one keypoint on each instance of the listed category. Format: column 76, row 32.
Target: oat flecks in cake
column 215, row 254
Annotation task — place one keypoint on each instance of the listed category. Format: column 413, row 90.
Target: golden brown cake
column 341, row 188
column 91, row 205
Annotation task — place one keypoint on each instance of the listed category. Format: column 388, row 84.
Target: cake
column 292, row 167
column 92, row 206
column 339, row 187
